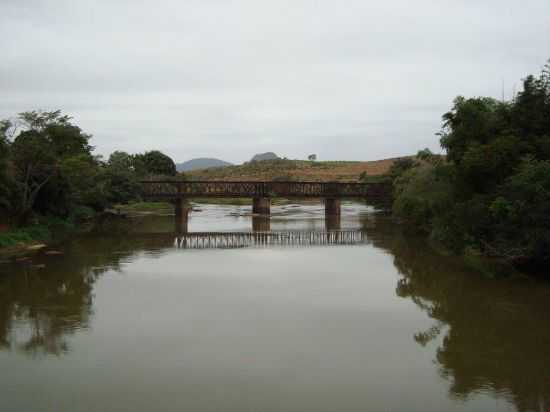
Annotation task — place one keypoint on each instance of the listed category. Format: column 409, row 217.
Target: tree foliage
column 5, row 180
column 122, row 179
column 154, row 163
column 491, row 192
column 47, row 167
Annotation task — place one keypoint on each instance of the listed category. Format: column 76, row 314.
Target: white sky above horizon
column 355, row 79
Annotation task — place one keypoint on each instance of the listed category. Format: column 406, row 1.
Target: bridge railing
column 174, row 189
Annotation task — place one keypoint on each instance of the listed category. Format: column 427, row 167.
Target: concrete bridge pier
column 261, row 205
column 182, row 209
column 332, row 207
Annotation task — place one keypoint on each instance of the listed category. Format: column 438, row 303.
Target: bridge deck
column 167, row 189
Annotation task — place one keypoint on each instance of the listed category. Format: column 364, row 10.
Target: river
column 128, row 318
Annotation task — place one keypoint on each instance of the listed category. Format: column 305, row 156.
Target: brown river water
column 128, row 318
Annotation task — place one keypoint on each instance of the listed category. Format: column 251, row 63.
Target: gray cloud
column 346, row 80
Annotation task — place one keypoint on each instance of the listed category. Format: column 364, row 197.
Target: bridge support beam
column 261, row 205
column 332, row 207
column 182, row 209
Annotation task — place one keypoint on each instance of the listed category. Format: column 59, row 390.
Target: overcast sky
column 346, row 79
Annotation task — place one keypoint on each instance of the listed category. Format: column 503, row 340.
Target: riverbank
column 24, row 241
column 46, row 232
column 19, row 242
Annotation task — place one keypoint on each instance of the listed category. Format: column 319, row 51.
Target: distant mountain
column 201, row 163
column 264, row 156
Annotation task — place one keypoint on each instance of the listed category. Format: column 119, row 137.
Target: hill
column 264, row 156
column 283, row 169
column 201, row 163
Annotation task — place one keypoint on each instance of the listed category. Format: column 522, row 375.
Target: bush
column 492, row 192
column 421, row 194
column 521, row 214
column 400, row 166
column 25, row 235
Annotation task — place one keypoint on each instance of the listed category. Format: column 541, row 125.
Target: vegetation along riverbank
column 488, row 194
column 50, row 177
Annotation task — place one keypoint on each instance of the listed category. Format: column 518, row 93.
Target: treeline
column 47, row 168
column 491, row 192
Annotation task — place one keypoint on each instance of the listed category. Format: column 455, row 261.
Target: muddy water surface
column 128, row 320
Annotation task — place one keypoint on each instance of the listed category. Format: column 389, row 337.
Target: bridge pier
column 182, row 209
column 332, row 207
column 261, row 205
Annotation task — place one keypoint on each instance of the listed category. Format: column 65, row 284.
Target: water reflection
column 491, row 336
column 232, row 240
column 49, row 298
column 488, row 336
column 333, row 222
column 261, row 223
column 37, row 312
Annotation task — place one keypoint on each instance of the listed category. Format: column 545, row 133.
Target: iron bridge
column 170, row 189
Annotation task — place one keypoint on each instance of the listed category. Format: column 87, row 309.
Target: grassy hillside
column 283, row 169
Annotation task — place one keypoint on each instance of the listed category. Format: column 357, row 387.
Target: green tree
column 422, row 194
column 154, row 163
column 520, row 214
column 400, row 166
column 46, row 180
column 65, row 138
column 121, row 161
column 86, row 182
column 471, row 121
column 491, row 191
column 122, row 178
column 5, row 180
column 35, row 164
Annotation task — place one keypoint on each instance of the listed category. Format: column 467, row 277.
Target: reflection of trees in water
column 41, row 306
column 38, row 309
column 493, row 336
column 497, row 332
